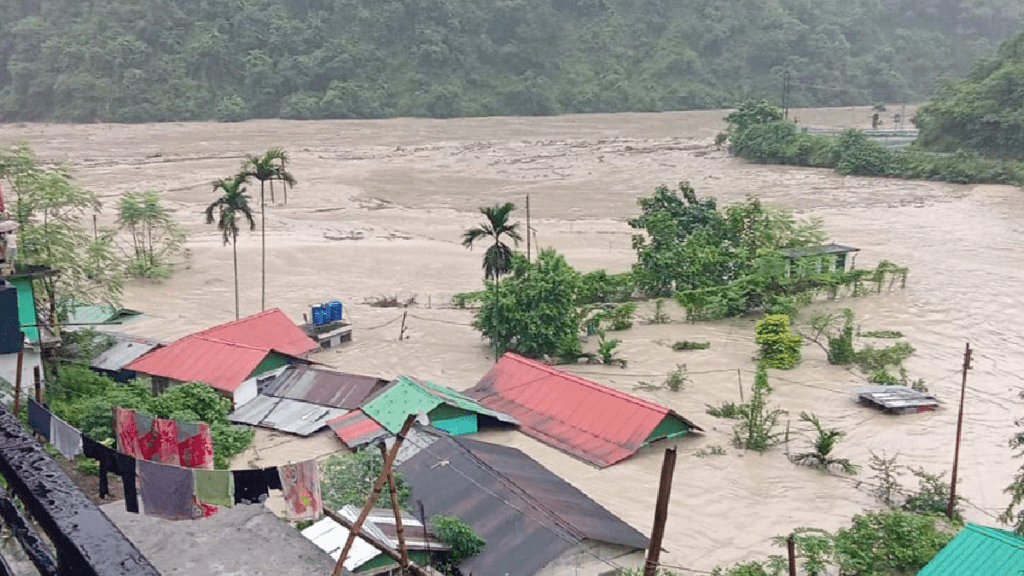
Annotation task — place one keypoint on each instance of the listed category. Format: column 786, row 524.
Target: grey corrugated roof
column 284, row 414
column 896, row 397
column 123, row 352
column 320, row 386
column 528, row 515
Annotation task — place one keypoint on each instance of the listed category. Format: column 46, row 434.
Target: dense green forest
column 982, row 113
column 161, row 60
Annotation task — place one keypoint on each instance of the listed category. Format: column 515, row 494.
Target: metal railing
column 86, row 542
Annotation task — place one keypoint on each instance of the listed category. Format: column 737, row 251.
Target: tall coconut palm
column 234, row 202
column 498, row 257
column 267, row 168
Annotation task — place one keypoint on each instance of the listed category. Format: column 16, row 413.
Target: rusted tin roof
column 588, row 420
column 528, row 515
column 896, row 399
column 320, row 386
column 270, row 329
column 356, row 429
column 285, row 414
column 222, row 365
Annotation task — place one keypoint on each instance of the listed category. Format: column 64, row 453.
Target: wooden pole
column 401, row 332
column 17, row 378
column 791, row 548
column 951, row 505
column 38, row 384
column 413, row 567
column 385, row 470
column 739, row 382
column 668, row 466
column 399, row 529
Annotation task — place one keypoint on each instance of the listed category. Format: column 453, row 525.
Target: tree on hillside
column 49, row 206
column 267, row 168
column 228, row 207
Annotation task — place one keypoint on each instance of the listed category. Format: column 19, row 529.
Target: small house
column 447, row 409
column 607, row 425
column 126, row 349
column 833, row 257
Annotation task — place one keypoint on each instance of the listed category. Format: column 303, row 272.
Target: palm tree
column 824, row 444
column 267, row 168
column 498, row 257
column 228, row 206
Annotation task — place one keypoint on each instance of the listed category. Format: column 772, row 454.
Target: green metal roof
column 408, row 395
column 979, row 550
column 99, row 314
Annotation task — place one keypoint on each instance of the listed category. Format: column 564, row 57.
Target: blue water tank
column 318, row 315
column 335, row 310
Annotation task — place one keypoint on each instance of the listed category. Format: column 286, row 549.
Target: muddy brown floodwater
column 379, row 210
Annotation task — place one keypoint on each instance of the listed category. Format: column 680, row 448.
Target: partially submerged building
column 830, row 257
column 896, row 399
column 588, row 420
column 227, row 355
column 979, row 550
column 534, row 522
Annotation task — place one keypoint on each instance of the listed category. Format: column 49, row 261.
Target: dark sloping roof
column 527, row 514
column 978, row 550
column 818, row 250
column 270, row 329
column 588, row 420
column 285, row 414
column 320, row 386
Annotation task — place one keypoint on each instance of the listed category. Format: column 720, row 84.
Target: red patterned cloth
column 126, row 432
column 186, row 444
column 201, row 509
column 301, row 485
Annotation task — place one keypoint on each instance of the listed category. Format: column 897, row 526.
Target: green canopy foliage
column 349, row 479
column 155, row 234
column 984, row 112
column 172, row 60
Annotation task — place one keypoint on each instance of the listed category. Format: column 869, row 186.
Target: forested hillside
column 982, row 113
column 157, row 60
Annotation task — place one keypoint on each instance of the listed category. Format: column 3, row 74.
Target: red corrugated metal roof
column 222, row 365
column 270, row 329
column 356, row 428
column 588, row 420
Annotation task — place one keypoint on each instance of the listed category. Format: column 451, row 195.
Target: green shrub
column 463, row 541
column 862, row 156
column 780, row 348
column 726, row 409
column 688, row 345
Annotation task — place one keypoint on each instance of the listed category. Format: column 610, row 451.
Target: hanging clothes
column 253, row 486
column 301, row 485
column 215, row 486
column 39, row 418
column 126, row 431
column 66, row 439
column 106, row 457
column 166, row 491
column 195, row 445
column 126, row 469
column 167, row 441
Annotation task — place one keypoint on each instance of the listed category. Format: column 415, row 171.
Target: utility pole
column 668, row 466
column 528, row 228
column 785, row 93
column 959, row 427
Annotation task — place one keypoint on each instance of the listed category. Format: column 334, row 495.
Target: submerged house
column 447, row 409
column 534, row 522
column 227, row 355
column 833, row 257
column 595, row 423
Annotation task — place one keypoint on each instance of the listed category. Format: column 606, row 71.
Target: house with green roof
column 447, row 409
column 979, row 550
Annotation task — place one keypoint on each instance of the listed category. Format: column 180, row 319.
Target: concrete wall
column 592, row 558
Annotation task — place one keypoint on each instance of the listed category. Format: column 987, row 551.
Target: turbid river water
column 379, row 210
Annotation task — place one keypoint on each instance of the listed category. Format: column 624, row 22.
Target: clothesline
column 170, row 490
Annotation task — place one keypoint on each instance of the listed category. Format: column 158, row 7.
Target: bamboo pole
column 385, row 470
column 17, row 378
column 951, row 505
column 399, row 529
